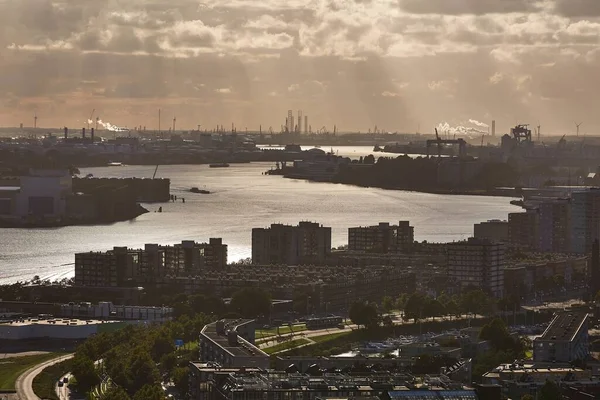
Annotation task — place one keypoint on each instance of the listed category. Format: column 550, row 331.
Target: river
column 241, row 198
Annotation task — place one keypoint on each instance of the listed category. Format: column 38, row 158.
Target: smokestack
column 66, row 132
column 494, row 128
column 92, row 135
column 83, row 133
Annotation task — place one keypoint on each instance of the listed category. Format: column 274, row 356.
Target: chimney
column 92, row 135
column 83, row 133
column 66, row 132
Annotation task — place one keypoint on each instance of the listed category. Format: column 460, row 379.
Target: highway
column 24, row 384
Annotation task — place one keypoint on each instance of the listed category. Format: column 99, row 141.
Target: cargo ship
column 219, row 165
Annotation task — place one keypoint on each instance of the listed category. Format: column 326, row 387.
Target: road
column 24, row 384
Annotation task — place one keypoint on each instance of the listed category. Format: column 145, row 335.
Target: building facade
column 382, row 238
column 565, row 340
column 494, row 230
column 585, row 220
column 306, row 243
column 523, row 230
column 151, row 265
column 230, row 343
column 555, row 226
column 477, row 263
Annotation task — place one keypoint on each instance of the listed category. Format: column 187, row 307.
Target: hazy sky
column 397, row 64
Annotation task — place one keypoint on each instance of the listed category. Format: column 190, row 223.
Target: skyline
column 397, row 64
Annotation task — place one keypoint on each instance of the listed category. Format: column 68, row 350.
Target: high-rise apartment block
column 478, row 263
column 307, row 243
column 494, row 230
column 523, row 230
column 382, row 238
column 122, row 266
column 585, row 220
column 555, row 226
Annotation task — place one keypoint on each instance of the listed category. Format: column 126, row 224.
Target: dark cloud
column 578, row 8
column 477, row 7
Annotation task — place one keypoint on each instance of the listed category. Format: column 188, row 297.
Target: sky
column 403, row 65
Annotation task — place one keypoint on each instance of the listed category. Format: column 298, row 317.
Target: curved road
column 24, row 384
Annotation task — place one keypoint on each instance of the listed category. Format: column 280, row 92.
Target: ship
column 219, row 165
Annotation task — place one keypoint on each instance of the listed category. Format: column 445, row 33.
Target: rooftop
column 564, row 326
column 238, row 347
column 56, row 321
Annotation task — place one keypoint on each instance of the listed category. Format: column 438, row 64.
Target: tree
column 115, row 393
column 84, row 371
column 550, row 391
column 181, row 380
column 415, row 306
column 251, row 303
column 434, row 308
column 162, row 345
column 149, row 392
column 527, row 397
column 401, row 301
column 500, row 338
column 387, row 304
column 141, row 370
column 364, row 314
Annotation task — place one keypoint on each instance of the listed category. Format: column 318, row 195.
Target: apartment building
column 478, row 263
column 230, row 343
column 306, row 243
column 555, row 226
column 523, row 230
column 564, row 340
column 122, row 266
column 382, row 238
column 494, row 230
column 585, row 220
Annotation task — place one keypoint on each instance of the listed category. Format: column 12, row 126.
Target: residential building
column 523, row 229
column 215, row 382
column 565, row 340
column 585, row 220
column 555, row 226
column 307, row 243
column 382, row 238
column 121, row 266
column 478, row 263
column 329, row 288
column 230, row 343
column 527, row 378
column 494, row 230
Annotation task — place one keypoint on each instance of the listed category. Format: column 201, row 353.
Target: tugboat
column 200, row 191
column 219, row 165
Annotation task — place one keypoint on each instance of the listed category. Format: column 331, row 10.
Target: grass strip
column 285, row 346
column 44, row 383
column 12, row 368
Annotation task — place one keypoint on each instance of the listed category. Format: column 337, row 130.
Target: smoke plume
column 480, row 124
column 445, row 127
column 108, row 126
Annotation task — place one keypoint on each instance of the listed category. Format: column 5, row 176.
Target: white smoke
column 108, row 126
column 446, row 128
column 480, row 124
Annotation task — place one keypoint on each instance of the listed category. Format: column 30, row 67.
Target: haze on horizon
column 397, row 64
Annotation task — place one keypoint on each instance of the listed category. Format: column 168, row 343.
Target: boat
column 115, row 164
column 201, row 191
column 219, row 165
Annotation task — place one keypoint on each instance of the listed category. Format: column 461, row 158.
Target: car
column 65, row 380
column 60, row 384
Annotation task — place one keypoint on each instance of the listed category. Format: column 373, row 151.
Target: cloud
column 394, row 63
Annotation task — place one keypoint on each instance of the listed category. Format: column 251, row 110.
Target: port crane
column 462, row 145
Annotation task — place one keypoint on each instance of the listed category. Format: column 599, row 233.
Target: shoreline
column 60, row 224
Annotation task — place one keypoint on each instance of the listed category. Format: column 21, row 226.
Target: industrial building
column 230, row 343
column 56, row 328
column 565, row 340
column 107, row 310
column 478, row 263
column 306, row 243
column 494, row 230
column 382, row 238
column 125, row 267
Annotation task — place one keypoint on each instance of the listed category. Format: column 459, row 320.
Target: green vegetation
column 283, row 330
column 45, row 382
column 331, row 336
column 11, row 368
column 286, row 346
column 365, row 314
